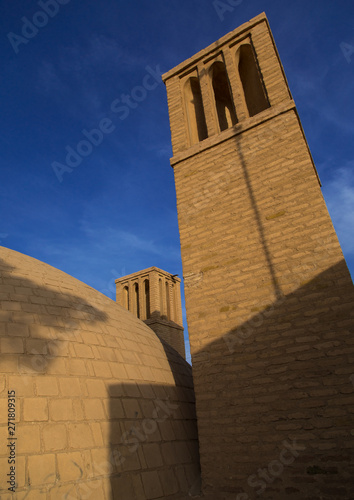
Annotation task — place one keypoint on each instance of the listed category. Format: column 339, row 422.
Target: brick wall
column 103, row 410
column 268, row 295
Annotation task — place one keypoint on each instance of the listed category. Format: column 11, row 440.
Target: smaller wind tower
column 154, row 296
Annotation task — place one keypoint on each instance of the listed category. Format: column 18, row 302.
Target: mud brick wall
column 268, row 294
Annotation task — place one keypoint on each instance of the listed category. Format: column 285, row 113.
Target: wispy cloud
column 96, row 246
column 120, row 240
column 315, row 97
column 339, row 195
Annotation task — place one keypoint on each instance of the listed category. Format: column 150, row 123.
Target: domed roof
column 103, row 408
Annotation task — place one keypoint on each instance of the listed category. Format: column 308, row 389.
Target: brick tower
column 268, row 294
column 154, row 296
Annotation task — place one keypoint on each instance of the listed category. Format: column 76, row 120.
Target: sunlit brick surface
column 269, row 299
column 104, row 410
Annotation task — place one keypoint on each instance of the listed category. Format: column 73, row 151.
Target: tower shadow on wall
column 282, row 385
column 169, row 332
column 257, row 217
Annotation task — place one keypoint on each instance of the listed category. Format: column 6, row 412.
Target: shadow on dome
column 41, row 317
column 104, row 408
column 154, row 442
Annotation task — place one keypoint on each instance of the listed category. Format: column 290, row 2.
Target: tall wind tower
column 268, row 294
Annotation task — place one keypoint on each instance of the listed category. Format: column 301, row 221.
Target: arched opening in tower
column 161, row 298
column 253, row 89
column 147, row 298
column 126, row 297
column 195, row 112
column 168, row 312
column 136, row 300
column 223, row 101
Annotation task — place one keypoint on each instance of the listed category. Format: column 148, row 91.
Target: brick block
column 138, row 486
column 152, row 485
column 131, row 408
column 47, row 386
column 57, row 366
column 61, row 409
column 78, row 411
column 169, row 482
column 182, row 452
column 37, row 346
column 41, row 469
column 97, row 434
column 80, row 436
column 83, row 351
column 70, row 466
column 168, row 453
column 118, row 371
column 152, row 455
column 96, row 388
column 77, row 367
column 93, row 409
column 102, row 463
column 122, row 487
column 102, row 369
column 11, row 345
column 70, row 387
column 9, row 363
column 28, row 439
column 113, row 408
column 35, row 409
column 18, row 330
column 23, row 385
column 54, row 437
column 11, row 306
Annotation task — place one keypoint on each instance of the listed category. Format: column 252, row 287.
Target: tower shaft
column 269, row 297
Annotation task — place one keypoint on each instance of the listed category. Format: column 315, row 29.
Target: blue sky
column 115, row 212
